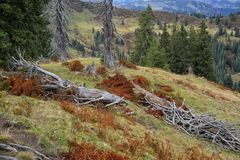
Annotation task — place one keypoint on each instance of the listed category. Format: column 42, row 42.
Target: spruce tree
column 165, row 39
column 144, row 36
column 23, row 27
column 193, row 41
column 203, row 59
column 156, row 56
column 179, row 54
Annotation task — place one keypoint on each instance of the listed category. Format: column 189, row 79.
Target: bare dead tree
column 57, row 13
column 108, row 30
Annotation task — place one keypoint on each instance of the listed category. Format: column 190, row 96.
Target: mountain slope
column 54, row 126
column 186, row 6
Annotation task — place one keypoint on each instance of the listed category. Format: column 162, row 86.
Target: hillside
column 84, row 26
column 209, row 7
column 49, row 125
column 83, row 20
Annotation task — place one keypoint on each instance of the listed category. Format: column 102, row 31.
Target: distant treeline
column 186, row 51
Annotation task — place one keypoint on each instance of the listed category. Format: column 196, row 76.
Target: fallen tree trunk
column 12, row 147
column 51, row 82
column 202, row 125
column 7, row 158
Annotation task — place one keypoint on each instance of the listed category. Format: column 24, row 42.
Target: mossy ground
column 54, row 127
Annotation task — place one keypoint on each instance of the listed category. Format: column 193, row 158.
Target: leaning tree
column 57, row 13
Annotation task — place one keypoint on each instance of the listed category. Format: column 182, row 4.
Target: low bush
column 141, row 81
column 29, row 87
column 75, row 65
column 101, row 70
column 119, row 85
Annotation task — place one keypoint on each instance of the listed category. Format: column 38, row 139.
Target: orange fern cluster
column 119, row 85
column 29, row 87
column 87, row 151
column 75, row 65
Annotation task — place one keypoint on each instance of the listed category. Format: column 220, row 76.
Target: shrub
column 141, row 81
column 119, row 85
column 29, row 87
column 128, row 65
column 101, row 70
column 164, row 88
column 75, row 65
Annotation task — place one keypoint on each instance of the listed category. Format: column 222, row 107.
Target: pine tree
column 193, row 41
column 156, row 56
column 23, row 27
column 203, row 59
column 144, row 36
column 164, row 41
column 179, row 54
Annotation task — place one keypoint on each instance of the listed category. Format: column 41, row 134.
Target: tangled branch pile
column 53, row 85
column 204, row 125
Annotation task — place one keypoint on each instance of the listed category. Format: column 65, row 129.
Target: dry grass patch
column 103, row 117
column 87, row 151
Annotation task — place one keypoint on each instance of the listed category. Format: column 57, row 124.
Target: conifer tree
column 144, row 36
column 179, row 54
column 203, row 59
column 156, row 56
column 23, row 27
column 193, row 41
column 165, row 39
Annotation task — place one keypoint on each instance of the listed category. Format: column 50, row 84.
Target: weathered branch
column 12, row 147
column 82, row 97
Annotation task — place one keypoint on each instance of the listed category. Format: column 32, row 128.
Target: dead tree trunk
column 52, row 83
column 57, row 12
column 108, row 29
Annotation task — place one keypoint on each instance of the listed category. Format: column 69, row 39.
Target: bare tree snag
column 91, row 69
column 57, row 13
column 108, row 30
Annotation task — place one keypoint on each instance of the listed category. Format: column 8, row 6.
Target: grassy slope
column 55, row 127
